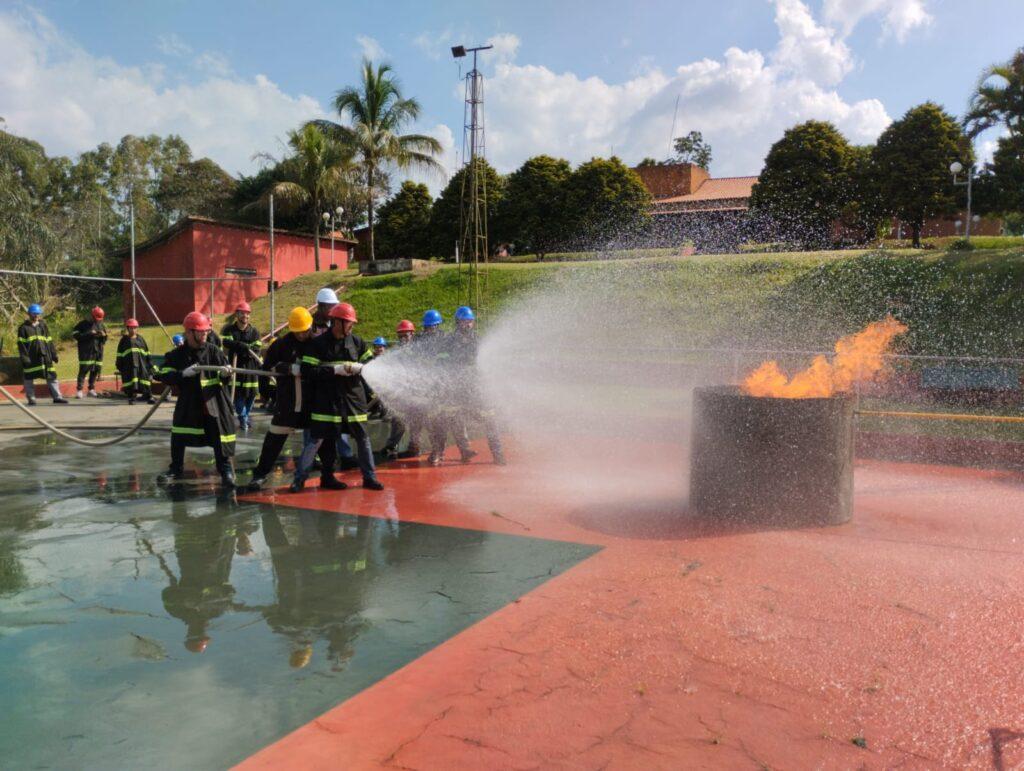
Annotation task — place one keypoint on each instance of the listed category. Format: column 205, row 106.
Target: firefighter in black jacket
column 38, row 355
column 241, row 341
column 91, row 335
column 134, row 364
column 340, row 403
column 291, row 410
column 202, row 414
column 460, row 398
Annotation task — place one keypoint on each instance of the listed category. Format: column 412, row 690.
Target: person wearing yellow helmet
column 291, row 407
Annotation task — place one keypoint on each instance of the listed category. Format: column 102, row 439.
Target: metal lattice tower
column 473, row 212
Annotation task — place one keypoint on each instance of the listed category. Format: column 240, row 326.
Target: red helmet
column 405, row 326
column 196, row 322
column 97, row 313
column 243, row 306
column 343, row 311
column 132, row 323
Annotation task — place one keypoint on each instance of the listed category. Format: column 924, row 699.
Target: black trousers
column 87, row 369
column 179, row 443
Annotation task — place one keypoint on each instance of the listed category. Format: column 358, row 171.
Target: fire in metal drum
column 782, row 462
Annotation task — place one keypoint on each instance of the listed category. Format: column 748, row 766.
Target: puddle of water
column 140, row 629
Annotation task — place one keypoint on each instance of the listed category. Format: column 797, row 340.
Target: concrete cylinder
column 783, row 462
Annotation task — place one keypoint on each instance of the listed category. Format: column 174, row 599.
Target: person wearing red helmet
column 412, row 418
column 340, row 401
column 241, row 341
column 134, row 364
column 205, row 544
column 91, row 336
column 202, row 414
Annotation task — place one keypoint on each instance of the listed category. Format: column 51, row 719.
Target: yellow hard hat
column 299, row 320
column 300, row 657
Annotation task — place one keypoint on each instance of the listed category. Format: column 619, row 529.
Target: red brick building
column 237, row 256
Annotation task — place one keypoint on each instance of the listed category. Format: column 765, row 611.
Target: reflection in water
column 320, row 573
column 103, row 577
column 204, row 545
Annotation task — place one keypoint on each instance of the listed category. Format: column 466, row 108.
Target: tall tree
column 315, row 174
column 446, row 216
column 803, row 186
column 194, row 187
column 861, row 213
column 912, row 159
column 403, row 229
column 378, row 112
column 693, row 149
column 532, row 213
column 606, row 202
column 998, row 98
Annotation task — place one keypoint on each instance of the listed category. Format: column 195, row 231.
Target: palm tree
column 318, row 171
column 998, row 98
column 378, row 112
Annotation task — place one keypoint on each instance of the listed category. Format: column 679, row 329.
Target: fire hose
column 77, row 439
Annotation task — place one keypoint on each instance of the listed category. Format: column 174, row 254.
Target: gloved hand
column 353, row 368
column 295, row 369
column 190, row 371
column 225, row 369
column 56, row 359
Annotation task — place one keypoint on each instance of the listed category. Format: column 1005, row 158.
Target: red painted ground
column 679, row 648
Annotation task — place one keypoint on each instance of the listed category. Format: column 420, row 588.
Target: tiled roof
column 715, row 190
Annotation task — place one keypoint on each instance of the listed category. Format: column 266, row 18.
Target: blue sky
column 568, row 78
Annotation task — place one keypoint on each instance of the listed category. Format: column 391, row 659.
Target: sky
column 568, row 78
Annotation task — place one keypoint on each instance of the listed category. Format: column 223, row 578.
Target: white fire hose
column 77, row 439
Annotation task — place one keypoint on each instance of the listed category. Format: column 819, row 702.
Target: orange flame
column 859, row 358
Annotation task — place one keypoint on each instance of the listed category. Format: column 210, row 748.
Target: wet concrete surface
column 186, row 629
column 647, row 638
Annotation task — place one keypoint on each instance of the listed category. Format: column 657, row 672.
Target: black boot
column 227, row 478
column 372, row 483
column 171, row 476
column 330, row 482
column 255, row 484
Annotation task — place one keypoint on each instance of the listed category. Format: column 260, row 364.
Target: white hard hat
column 327, row 295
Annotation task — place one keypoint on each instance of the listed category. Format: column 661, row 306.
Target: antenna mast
column 473, row 210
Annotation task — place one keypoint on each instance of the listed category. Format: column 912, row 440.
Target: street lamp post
column 955, row 168
column 329, row 219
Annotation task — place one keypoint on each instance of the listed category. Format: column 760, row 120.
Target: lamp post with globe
column 329, row 219
column 955, row 168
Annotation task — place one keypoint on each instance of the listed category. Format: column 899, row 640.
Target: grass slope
column 956, row 303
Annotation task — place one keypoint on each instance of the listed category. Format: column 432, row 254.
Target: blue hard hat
column 178, row 340
column 432, row 318
column 35, row 309
column 464, row 313
column 380, row 341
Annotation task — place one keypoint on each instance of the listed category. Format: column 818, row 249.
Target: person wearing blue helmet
column 38, row 355
column 380, row 346
column 178, row 341
column 465, row 402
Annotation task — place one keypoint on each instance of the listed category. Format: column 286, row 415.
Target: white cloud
column 505, row 47
column 808, row 49
column 214, row 64
column 172, row 45
column 66, row 98
column 370, row 48
column 435, row 44
column 899, row 17
column 741, row 102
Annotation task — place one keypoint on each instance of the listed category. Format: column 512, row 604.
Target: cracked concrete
column 739, row 650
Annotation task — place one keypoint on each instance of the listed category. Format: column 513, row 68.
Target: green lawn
column 955, row 302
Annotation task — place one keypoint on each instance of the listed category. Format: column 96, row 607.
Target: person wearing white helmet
column 326, row 299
